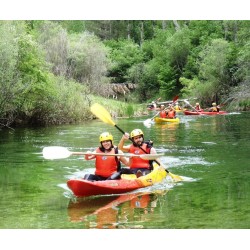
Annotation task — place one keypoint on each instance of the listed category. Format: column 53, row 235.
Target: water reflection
column 167, row 132
column 114, row 211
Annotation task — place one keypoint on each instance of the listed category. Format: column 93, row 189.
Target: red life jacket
column 198, row 107
column 137, row 162
column 105, row 165
column 171, row 114
column 163, row 114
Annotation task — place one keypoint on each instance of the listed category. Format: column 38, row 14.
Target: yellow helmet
column 197, row 104
column 214, row 104
column 136, row 132
column 106, row 136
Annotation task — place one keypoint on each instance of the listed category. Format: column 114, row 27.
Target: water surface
column 213, row 152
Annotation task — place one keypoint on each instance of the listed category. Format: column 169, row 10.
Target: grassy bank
column 120, row 109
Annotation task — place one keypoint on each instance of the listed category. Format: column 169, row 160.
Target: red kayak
column 128, row 183
column 81, row 187
column 188, row 112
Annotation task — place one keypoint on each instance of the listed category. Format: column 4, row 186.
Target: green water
column 213, row 152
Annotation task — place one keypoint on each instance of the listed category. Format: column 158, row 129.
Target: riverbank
column 117, row 109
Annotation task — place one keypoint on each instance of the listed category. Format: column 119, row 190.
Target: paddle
column 187, row 102
column 149, row 120
column 100, row 112
column 57, row 152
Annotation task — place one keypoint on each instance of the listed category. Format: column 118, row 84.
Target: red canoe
column 188, row 112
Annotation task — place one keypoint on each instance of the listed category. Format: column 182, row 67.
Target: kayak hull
column 188, row 112
column 164, row 120
column 128, row 183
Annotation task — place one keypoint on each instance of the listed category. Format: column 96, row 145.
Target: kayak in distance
column 163, row 120
column 127, row 183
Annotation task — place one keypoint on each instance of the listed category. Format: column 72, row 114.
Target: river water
column 212, row 152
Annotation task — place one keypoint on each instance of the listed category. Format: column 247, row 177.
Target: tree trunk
column 128, row 30
column 142, row 33
column 177, row 26
column 235, row 31
column 164, row 24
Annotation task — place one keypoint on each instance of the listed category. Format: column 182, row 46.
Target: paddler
column 137, row 165
column 106, row 167
column 214, row 108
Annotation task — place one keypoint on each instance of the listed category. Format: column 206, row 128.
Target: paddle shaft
column 146, row 157
column 187, row 102
column 155, row 115
column 93, row 153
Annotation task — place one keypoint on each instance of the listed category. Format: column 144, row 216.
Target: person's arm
column 121, row 146
column 153, row 151
column 123, row 159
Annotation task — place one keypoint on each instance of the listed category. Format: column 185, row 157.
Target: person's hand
column 88, row 155
column 126, row 136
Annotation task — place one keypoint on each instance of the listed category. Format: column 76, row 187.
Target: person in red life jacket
column 171, row 113
column 106, row 166
column 137, row 165
column 198, row 107
column 163, row 113
column 214, row 108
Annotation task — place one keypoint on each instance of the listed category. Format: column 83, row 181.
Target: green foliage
column 88, row 61
column 119, row 109
column 68, row 105
column 54, row 41
column 124, row 54
column 130, row 110
column 244, row 105
column 213, row 71
column 73, row 26
column 189, row 86
column 12, row 88
column 170, row 51
column 148, row 84
column 49, row 69
column 9, row 78
column 203, row 31
column 243, row 59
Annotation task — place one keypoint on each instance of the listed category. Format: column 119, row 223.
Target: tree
column 53, row 39
column 213, row 72
column 123, row 54
column 88, row 61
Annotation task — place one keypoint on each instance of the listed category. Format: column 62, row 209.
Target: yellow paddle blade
column 100, row 112
column 175, row 177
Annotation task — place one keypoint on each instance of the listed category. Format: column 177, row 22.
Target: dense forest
column 51, row 71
